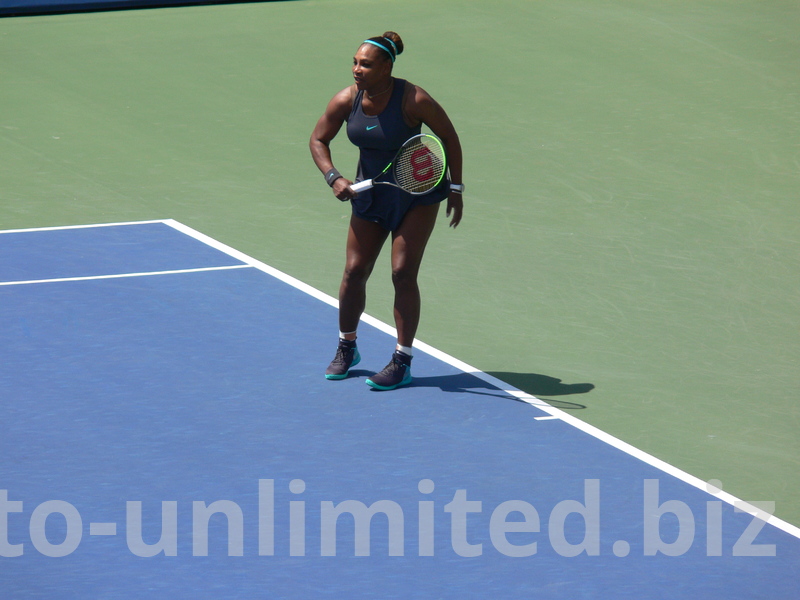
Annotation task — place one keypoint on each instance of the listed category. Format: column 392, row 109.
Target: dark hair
column 389, row 43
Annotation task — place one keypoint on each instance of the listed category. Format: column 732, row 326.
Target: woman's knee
column 404, row 277
column 356, row 274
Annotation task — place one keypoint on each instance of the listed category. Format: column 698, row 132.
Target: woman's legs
column 364, row 242
column 408, row 247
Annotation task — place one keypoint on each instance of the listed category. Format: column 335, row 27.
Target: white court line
column 59, row 228
column 112, row 276
column 554, row 413
column 123, row 275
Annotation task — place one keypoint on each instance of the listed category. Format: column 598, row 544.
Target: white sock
column 344, row 333
column 405, row 350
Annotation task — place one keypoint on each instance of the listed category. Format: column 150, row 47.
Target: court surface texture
column 628, row 254
column 168, row 433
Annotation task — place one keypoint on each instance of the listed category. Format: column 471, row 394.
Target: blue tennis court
column 168, row 432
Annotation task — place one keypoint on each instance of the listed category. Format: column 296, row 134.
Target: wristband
column 458, row 188
column 332, row 176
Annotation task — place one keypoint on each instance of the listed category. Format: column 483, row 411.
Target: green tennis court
column 629, row 250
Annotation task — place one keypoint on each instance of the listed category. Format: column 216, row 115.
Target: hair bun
column 398, row 41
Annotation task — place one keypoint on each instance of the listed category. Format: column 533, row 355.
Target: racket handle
column 361, row 185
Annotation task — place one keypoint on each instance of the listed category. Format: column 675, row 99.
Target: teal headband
column 391, row 54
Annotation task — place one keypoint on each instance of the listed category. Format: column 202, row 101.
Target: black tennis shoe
column 347, row 356
column 397, row 373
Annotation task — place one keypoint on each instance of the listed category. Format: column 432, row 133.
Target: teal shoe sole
column 406, row 380
column 356, row 360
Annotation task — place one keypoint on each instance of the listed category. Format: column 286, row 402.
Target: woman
column 381, row 113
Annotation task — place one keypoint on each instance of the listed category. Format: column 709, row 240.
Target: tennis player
column 382, row 112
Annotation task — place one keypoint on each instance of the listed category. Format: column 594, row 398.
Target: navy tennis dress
column 379, row 138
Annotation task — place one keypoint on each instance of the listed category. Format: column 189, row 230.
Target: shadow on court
column 545, row 386
column 532, row 383
column 542, row 385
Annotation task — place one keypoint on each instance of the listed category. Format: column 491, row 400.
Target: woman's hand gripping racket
column 417, row 168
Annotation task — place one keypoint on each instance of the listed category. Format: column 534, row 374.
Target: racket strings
column 420, row 165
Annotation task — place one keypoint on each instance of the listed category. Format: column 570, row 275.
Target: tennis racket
column 417, row 168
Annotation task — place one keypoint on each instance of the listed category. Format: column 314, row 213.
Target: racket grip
column 361, row 185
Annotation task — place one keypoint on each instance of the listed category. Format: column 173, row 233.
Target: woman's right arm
column 326, row 129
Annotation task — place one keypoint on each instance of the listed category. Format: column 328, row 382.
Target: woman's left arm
column 421, row 107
